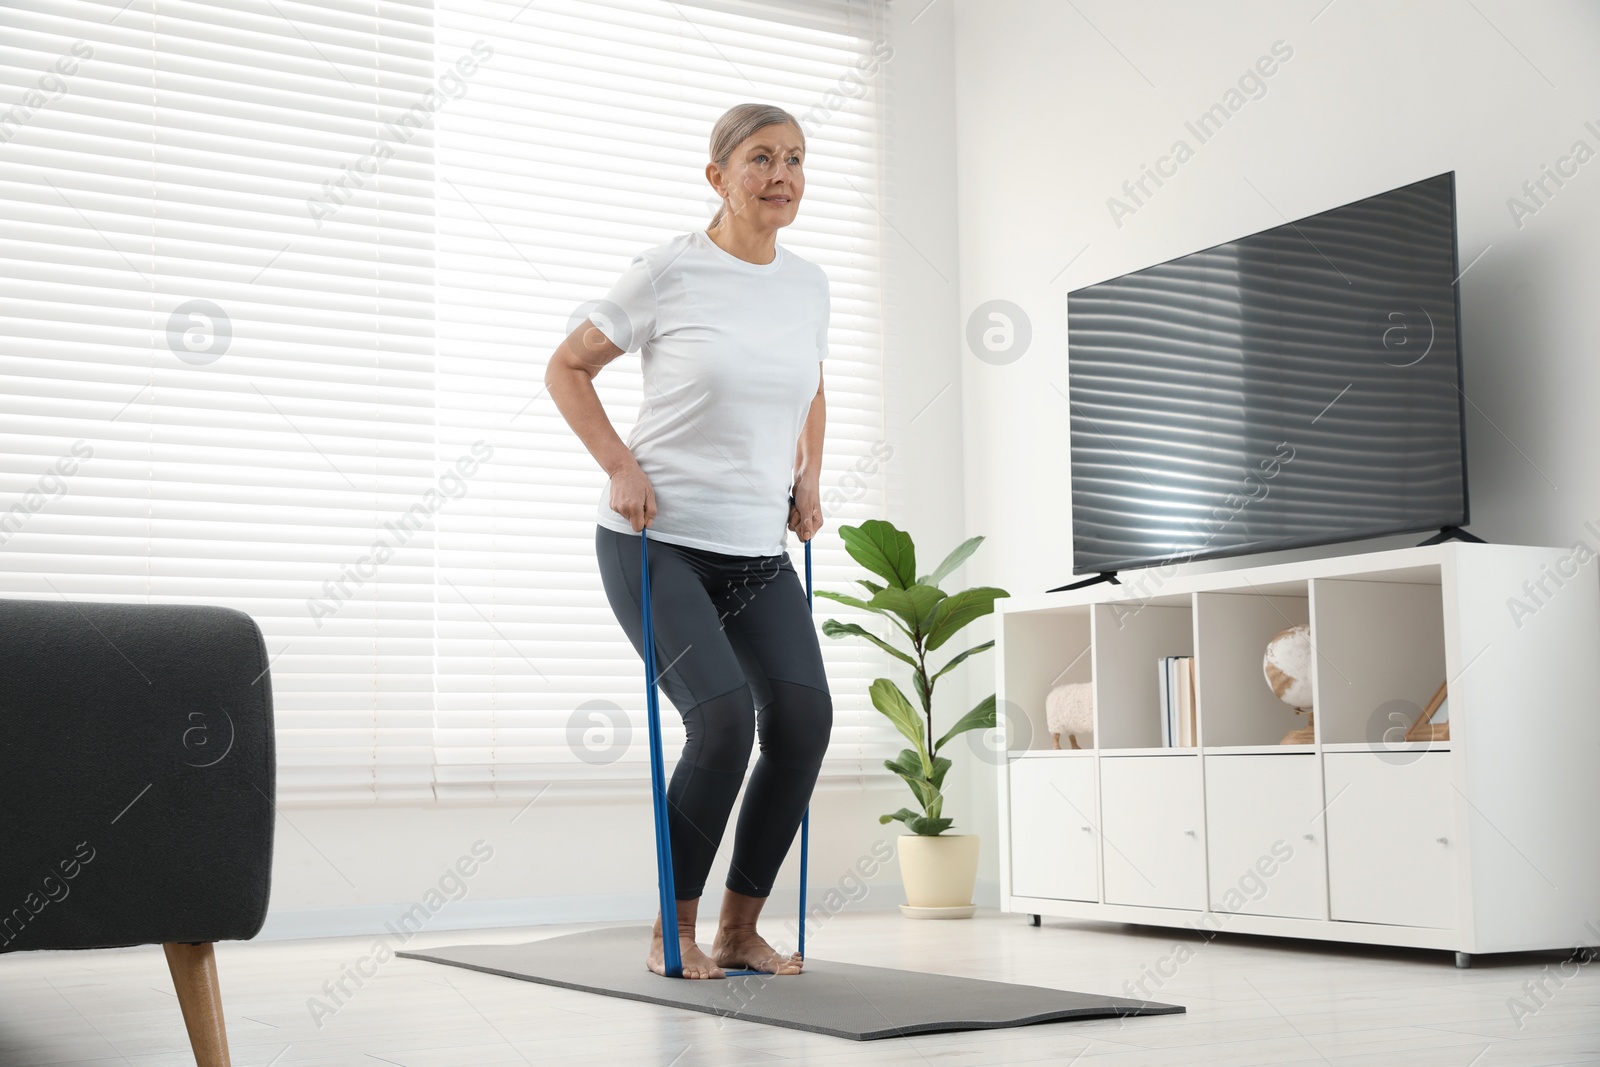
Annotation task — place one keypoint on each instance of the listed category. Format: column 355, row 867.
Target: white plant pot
column 938, row 874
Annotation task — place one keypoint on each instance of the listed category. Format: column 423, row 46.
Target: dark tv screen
column 1299, row 386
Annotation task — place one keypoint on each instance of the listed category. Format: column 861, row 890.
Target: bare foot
column 696, row 964
column 744, row 949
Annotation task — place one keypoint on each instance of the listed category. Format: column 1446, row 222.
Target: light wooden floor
column 1249, row 1000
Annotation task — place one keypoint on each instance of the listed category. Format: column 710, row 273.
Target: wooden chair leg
column 194, row 976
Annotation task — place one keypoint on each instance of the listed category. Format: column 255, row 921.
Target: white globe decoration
column 1287, row 666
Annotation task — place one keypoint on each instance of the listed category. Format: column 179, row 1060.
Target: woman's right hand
column 632, row 497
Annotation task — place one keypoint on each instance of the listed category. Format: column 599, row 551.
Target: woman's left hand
column 805, row 508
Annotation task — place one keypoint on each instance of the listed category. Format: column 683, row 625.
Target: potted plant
column 937, row 869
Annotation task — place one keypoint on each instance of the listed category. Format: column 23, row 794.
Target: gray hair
column 738, row 123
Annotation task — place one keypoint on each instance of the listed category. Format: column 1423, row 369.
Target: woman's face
column 764, row 179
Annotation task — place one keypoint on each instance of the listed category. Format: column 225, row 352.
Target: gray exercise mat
column 841, row 999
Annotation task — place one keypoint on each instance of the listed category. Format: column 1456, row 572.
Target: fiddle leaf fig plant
column 928, row 617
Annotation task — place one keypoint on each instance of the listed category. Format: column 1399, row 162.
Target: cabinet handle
column 1087, row 830
column 1442, row 840
column 1308, row 837
column 1189, row 832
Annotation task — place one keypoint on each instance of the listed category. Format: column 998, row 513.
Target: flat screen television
column 1299, row 386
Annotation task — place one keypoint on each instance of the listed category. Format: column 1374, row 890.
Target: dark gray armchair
column 136, row 786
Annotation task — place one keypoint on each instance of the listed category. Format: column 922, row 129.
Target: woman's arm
column 805, row 517
column 569, row 376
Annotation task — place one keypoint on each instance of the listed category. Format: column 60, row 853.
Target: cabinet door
column 1052, row 827
column 1391, row 853
column 1264, row 846
column 1153, row 820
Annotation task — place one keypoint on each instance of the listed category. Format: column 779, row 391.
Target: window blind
column 586, row 143
column 219, row 287
column 282, row 282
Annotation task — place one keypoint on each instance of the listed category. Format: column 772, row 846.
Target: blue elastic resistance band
column 658, row 778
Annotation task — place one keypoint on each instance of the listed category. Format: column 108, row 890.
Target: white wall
column 1059, row 104
column 571, row 857
column 564, row 858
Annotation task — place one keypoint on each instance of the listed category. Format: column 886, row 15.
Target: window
column 282, row 283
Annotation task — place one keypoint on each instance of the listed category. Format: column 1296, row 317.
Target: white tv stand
column 1483, row 843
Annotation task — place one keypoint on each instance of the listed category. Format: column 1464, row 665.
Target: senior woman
column 724, row 457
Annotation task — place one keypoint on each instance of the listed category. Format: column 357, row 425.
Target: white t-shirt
column 730, row 354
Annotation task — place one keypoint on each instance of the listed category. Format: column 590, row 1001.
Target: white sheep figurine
column 1069, row 709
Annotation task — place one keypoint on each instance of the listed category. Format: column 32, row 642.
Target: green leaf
column 864, row 605
column 940, row 765
column 854, row 602
column 835, row 628
column 872, row 587
column 927, row 794
column 958, row 609
column 928, row 601
column 884, row 550
column 958, row 659
column 907, row 765
column 918, row 824
column 924, row 692
column 980, row 717
column 952, row 561
column 914, row 604
column 887, row 698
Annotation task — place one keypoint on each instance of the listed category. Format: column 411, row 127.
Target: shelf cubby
column 1379, row 649
column 1042, row 649
column 1237, row 706
column 1129, row 638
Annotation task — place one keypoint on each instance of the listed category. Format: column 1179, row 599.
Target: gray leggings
column 737, row 655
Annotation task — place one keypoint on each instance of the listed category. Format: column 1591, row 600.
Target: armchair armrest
column 137, row 773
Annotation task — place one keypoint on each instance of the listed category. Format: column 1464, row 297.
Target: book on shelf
column 1185, row 666
column 1172, row 699
column 1191, row 700
column 1176, row 686
column 1164, row 685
